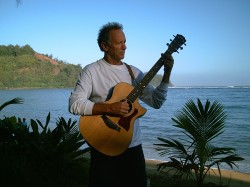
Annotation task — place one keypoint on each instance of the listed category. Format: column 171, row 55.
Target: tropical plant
column 192, row 158
column 16, row 100
column 35, row 155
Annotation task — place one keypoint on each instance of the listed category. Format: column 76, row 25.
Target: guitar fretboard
column 137, row 91
column 173, row 47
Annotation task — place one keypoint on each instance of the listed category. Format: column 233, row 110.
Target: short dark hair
column 103, row 35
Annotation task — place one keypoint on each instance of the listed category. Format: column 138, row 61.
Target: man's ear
column 104, row 46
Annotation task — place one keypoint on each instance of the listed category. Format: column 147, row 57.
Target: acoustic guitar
column 111, row 135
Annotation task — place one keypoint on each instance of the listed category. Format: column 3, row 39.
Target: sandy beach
column 230, row 178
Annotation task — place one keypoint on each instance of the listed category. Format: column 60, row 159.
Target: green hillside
column 22, row 67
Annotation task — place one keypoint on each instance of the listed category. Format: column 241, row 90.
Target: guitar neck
column 172, row 47
column 137, row 91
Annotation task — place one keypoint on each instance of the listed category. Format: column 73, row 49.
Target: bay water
column 156, row 122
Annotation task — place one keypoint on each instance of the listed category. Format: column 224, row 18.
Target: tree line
column 16, row 50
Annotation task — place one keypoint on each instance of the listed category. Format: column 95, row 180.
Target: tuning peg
column 167, row 44
column 181, row 48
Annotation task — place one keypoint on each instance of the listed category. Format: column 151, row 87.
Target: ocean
column 156, row 122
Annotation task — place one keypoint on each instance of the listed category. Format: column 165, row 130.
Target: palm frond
column 171, row 147
column 229, row 160
column 16, row 100
column 201, row 123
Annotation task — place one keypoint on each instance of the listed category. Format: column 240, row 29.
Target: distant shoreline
column 175, row 87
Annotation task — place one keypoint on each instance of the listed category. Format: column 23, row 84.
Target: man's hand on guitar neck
column 168, row 62
column 120, row 108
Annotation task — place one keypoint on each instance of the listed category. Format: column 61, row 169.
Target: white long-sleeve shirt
column 95, row 85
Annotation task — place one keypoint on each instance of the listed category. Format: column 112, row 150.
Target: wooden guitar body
column 111, row 135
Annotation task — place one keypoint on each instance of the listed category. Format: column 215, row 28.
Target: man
column 94, row 87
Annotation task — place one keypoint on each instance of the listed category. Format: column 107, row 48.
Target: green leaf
column 16, row 100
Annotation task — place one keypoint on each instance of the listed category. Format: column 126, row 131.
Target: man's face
column 116, row 46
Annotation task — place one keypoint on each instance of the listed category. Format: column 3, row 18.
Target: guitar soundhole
column 130, row 106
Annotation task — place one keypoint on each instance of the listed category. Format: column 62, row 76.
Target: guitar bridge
column 110, row 123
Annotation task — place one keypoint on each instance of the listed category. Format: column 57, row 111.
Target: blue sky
column 217, row 34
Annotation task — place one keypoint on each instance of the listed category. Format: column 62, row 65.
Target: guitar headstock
column 176, row 44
